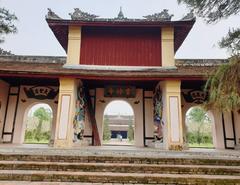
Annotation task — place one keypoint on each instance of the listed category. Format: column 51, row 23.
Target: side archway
column 199, row 128
column 37, row 124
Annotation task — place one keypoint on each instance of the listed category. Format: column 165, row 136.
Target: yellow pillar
column 74, row 45
column 65, row 112
column 167, row 35
column 172, row 114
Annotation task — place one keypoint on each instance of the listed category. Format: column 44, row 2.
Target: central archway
column 118, row 124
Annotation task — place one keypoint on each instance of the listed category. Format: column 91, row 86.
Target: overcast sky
column 34, row 37
column 118, row 107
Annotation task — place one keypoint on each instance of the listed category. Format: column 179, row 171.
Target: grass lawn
column 34, row 141
column 201, row 145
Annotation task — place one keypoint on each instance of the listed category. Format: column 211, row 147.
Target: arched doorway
column 118, row 124
column 199, row 125
column 38, row 124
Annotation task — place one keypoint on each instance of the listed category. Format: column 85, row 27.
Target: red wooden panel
column 121, row 46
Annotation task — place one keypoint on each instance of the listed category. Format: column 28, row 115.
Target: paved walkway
column 129, row 151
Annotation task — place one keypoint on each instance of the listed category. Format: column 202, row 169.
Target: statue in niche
column 158, row 109
column 79, row 119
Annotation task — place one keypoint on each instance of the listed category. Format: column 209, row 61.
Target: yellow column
column 167, row 35
column 172, row 114
column 74, row 45
column 65, row 113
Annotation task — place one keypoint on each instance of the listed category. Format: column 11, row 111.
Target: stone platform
column 112, row 165
column 130, row 151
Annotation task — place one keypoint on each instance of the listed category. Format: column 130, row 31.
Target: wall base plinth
column 177, row 147
column 62, row 144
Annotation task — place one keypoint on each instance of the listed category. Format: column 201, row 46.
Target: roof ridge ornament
column 52, row 15
column 80, row 15
column 120, row 16
column 189, row 16
column 162, row 16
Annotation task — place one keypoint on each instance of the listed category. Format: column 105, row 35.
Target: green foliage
column 130, row 133
column 106, row 131
column 43, row 115
column 199, row 138
column 6, row 23
column 43, row 137
column 224, row 87
column 197, row 115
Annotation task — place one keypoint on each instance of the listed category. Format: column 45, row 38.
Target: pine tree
column 130, row 133
column 106, row 131
column 43, row 115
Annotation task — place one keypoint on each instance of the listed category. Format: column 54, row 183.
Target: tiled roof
column 55, row 66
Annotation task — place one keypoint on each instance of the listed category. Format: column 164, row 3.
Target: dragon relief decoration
column 52, row 15
column 79, row 118
column 162, row 16
column 80, row 15
column 158, row 113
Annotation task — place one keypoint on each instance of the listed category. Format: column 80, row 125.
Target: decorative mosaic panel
column 79, row 118
column 158, row 110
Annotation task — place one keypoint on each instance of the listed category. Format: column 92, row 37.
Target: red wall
column 121, row 46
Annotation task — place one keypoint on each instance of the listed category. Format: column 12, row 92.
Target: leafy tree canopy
column 42, row 114
column 6, row 23
column 197, row 115
column 6, row 27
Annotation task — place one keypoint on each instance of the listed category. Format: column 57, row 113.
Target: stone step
column 108, row 177
column 58, row 183
column 121, row 159
column 122, row 168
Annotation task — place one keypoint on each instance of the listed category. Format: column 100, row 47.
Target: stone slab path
column 127, row 151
